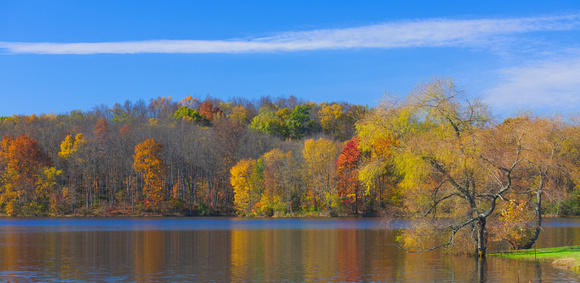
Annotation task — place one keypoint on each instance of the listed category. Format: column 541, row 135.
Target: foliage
column 203, row 210
column 240, row 114
column 570, row 207
column 348, row 184
column 210, row 112
column 452, row 162
column 319, row 172
column 267, row 122
column 47, row 190
column 148, row 162
column 71, row 146
column 332, row 119
column 187, row 114
column 513, row 224
column 245, row 180
column 119, row 114
column 433, row 155
column 297, row 122
column 23, row 190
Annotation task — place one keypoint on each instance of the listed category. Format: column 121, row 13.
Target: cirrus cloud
column 548, row 84
column 421, row 33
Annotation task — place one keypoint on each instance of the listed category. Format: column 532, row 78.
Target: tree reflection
column 340, row 255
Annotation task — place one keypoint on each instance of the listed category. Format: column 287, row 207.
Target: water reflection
column 296, row 254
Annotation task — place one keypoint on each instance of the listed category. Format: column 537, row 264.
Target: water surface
column 231, row 249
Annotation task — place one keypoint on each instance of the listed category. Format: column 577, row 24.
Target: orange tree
column 22, row 163
column 547, row 150
column 148, row 162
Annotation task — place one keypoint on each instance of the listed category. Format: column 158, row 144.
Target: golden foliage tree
column 246, row 183
column 513, row 224
column 148, row 162
column 434, row 130
column 71, row 146
column 320, row 169
column 332, row 119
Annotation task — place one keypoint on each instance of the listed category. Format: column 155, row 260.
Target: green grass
column 567, row 257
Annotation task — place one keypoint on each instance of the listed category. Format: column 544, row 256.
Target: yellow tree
column 454, row 163
column 71, row 150
column 240, row 114
column 332, row 119
column 320, row 169
column 435, row 157
column 439, row 161
column 71, row 146
column 246, row 183
column 378, row 140
column 148, row 162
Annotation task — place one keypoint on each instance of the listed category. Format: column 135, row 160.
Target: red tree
column 208, row 110
column 347, row 168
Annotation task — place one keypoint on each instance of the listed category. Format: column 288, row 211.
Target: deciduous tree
column 247, row 183
column 320, row 169
column 348, row 185
column 149, row 163
column 22, row 162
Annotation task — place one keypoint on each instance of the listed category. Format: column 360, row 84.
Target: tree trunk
column 481, row 237
column 538, row 224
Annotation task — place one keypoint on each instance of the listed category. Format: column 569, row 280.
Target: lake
column 234, row 249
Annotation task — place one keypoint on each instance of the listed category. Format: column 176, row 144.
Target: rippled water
column 230, row 249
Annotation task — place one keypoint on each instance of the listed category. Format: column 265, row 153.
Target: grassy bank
column 566, row 257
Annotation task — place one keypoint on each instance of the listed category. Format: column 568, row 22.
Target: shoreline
column 567, row 257
column 151, row 214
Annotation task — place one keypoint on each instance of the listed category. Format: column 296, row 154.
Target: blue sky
column 65, row 55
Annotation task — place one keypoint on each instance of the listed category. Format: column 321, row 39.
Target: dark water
column 230, row 250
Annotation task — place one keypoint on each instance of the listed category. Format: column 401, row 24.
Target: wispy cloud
column 552, row 85
column 422, row 33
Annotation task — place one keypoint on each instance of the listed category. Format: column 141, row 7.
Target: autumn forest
column 433, row 154
column 188, row 157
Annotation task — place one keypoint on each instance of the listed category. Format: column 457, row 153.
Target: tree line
column 168, row 157
column 434, row 154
